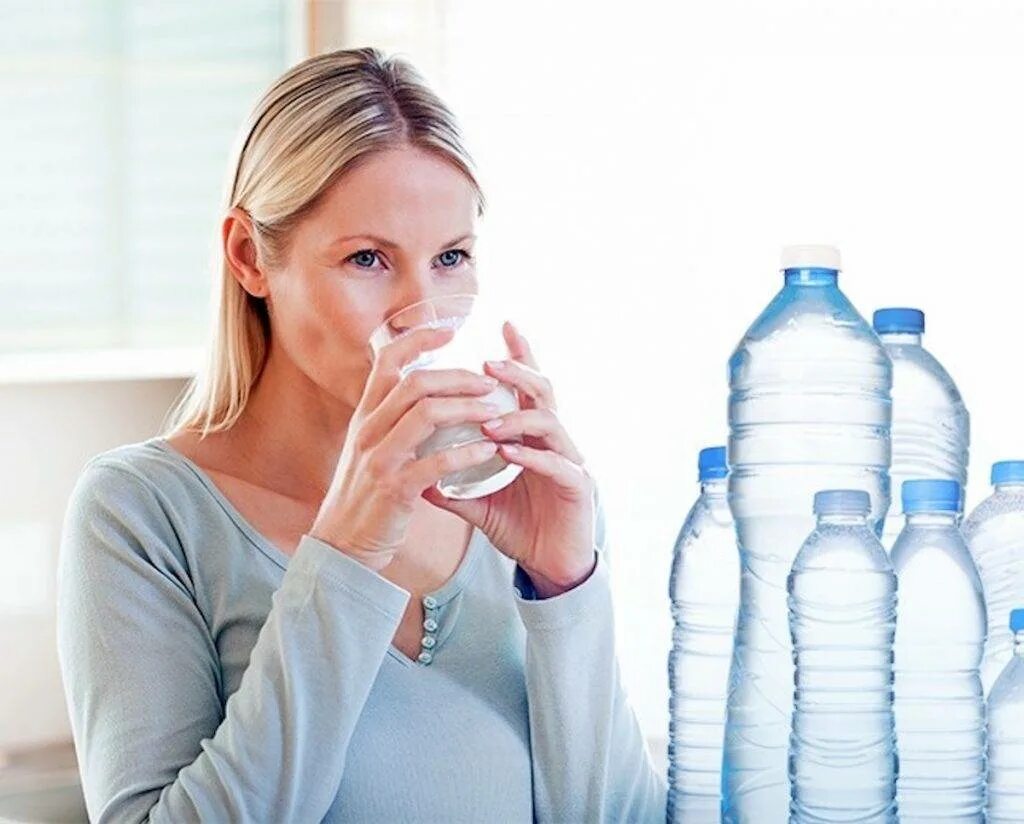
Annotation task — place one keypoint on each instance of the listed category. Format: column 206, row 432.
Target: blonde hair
column 312, row 125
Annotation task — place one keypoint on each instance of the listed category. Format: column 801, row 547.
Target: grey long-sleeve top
column 211, row 677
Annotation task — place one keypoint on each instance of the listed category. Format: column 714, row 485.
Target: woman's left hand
column 544, row 520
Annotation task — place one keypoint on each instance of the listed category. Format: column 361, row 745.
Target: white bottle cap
column 810, row 257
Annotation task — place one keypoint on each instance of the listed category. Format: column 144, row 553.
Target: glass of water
column 475, row 338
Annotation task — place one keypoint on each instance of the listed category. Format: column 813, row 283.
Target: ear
column 239, row 242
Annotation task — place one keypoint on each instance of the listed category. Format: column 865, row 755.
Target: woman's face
column 396, row 229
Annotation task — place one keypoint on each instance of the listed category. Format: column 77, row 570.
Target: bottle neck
column 1011, row 487
column 933, row 518
column 901, row 338
column 1018, row 644
column 714, row 488
column 811, row 277
column 842, row 519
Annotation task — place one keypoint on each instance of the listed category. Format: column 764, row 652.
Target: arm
column 155, row 741
column 590, row 762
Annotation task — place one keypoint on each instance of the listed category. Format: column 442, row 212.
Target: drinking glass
column 475, row 337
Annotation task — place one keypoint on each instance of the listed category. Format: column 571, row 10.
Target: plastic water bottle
column 940, row 634
column 809, row 409
column 842, row 618
column 705, row 593
column 931, row 429
column 1006, row 735
column 995, row 536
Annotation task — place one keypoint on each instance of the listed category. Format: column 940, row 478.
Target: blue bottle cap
column 1016, row 620
column 711, row 463
column 1008, row 472
column 842, row 502
column 898, row 319
column 931, row 495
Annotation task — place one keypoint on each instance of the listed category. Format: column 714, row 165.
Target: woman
column 267, row 613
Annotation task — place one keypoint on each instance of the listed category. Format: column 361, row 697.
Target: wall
column 49, row 431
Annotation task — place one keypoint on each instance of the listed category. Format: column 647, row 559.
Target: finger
column 427, row 471
column 568, row 475
column 541, row 426
column 392, row 357
column 414, row 387
column 471, row 510
column 535, row 390
column 518, row 345
column 428, row 415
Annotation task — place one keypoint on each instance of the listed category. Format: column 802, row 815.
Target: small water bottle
column 704, row 590
column 842, row 618
column 940, row 634
column 931, row 429
column 995, row 535
column 1006, row 735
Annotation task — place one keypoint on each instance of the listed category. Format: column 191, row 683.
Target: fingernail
column 511, row 449
column 493, row 424
column 489, row 381
column 496, row 364
column 493, row 408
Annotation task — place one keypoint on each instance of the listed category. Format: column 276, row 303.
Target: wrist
column 548, row 584
column 374, row 560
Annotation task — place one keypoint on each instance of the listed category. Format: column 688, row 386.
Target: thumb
column 472, row 511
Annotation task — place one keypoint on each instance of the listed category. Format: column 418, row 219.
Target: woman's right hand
column 379, row 479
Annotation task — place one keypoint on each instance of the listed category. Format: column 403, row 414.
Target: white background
column 646, row 164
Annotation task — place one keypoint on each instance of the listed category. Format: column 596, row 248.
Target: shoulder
column 141, row 473
column 135, row 498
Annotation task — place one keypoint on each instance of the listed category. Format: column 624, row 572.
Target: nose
column 411, row 306
column 423, row 298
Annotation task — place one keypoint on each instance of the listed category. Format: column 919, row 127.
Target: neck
column 903, row 338
column 811, row 277
column 941, row 518
column 843, row 519
column 291, row 431
column 714, row 487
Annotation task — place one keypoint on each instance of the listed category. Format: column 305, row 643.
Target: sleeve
column 590, row 761
column 142, row 678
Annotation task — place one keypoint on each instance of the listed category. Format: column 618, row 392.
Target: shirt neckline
column 440, row 596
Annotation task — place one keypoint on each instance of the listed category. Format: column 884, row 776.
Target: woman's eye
column 364, row 258
column 453, row 257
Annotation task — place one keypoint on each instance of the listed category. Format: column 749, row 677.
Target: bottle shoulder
column 917, row 369
column 808, row 313
column 941, row 538
column 842, row 548
column 925, row 551
column 708, row 518
column 1008, row 690
column 998, row 507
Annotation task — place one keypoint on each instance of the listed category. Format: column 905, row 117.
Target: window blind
column 118, row 117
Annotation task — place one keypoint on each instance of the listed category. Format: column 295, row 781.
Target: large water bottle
column 705, row 593
column 1006, row 735
column 931, row 429
column 995, row 536
column 809, row 409
column 940, row 633
column 842, row 618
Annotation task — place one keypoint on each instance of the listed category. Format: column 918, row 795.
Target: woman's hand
column 544, row 520
column 379, row 478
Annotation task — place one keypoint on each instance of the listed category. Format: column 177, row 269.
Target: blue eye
column 453, row 257
column 364, row 258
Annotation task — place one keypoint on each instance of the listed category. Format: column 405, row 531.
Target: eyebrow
column 379, row 241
